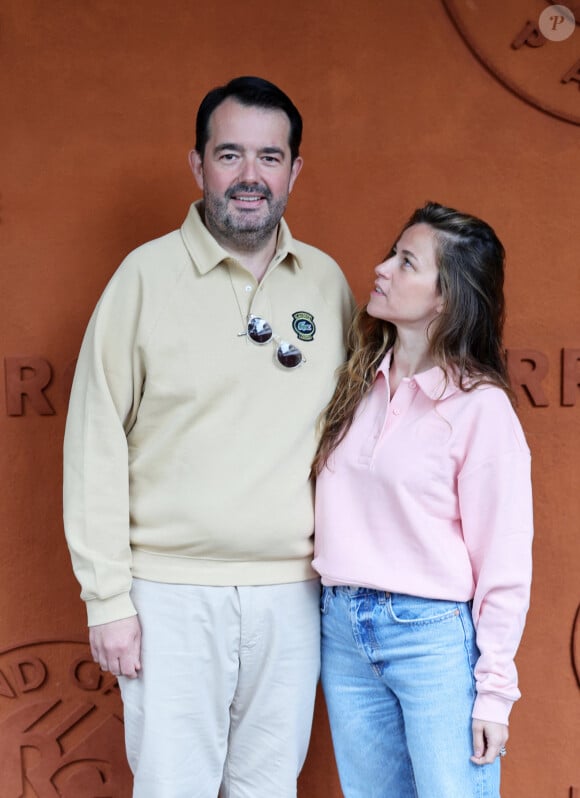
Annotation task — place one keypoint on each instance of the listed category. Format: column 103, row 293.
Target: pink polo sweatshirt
column 429, row 494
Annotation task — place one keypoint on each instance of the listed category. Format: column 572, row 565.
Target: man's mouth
column 250, row 195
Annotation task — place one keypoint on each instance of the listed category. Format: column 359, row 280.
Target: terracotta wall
column 98, row 101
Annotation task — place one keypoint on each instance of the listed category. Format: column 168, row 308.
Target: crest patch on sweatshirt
column 303, row 325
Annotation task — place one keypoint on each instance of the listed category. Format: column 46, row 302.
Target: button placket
column 401, row 401
column 372, row 439
column 244, row 292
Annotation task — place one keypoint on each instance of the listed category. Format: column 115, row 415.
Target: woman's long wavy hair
column 465, row 340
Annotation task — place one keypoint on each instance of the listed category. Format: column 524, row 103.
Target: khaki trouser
column 225, row 698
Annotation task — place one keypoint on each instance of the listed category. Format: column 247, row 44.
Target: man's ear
column 196, row 166
column 296, row 167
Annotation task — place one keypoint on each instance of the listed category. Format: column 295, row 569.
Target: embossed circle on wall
column 506, row 38
column 61, row 728
column 576, row 646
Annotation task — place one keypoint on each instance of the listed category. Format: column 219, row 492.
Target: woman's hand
column 488, row 740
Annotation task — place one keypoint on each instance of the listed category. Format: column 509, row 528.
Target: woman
column 424, row 523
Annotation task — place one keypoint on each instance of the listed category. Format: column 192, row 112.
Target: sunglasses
column 260, row 332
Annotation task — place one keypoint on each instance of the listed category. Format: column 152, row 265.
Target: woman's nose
column 382, row 270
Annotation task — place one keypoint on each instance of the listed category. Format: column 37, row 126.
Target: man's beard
column 246, row 232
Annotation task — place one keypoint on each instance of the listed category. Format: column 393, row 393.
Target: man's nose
column 249, row 171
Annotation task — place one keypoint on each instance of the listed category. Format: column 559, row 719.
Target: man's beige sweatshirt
column 187, row 447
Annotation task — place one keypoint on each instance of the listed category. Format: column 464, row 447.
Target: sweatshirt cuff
column 493, row 708
column 111, row 609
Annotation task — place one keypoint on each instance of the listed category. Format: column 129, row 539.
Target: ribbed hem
column 189, row 571
column 111, row 609
column 219, row 573
column 492, row 708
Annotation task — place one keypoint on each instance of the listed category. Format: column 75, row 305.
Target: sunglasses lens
column 288, row 356
column 259, row 330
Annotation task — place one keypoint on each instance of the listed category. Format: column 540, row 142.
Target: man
column 191, row 429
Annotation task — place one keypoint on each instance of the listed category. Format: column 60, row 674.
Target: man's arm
column 103, row 405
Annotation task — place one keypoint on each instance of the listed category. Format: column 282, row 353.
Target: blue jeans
column 397, row 673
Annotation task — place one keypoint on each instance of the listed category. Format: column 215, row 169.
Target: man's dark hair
column 252, row 92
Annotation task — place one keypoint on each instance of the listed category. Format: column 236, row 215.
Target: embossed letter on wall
column 27, row 377
column 61, row 729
